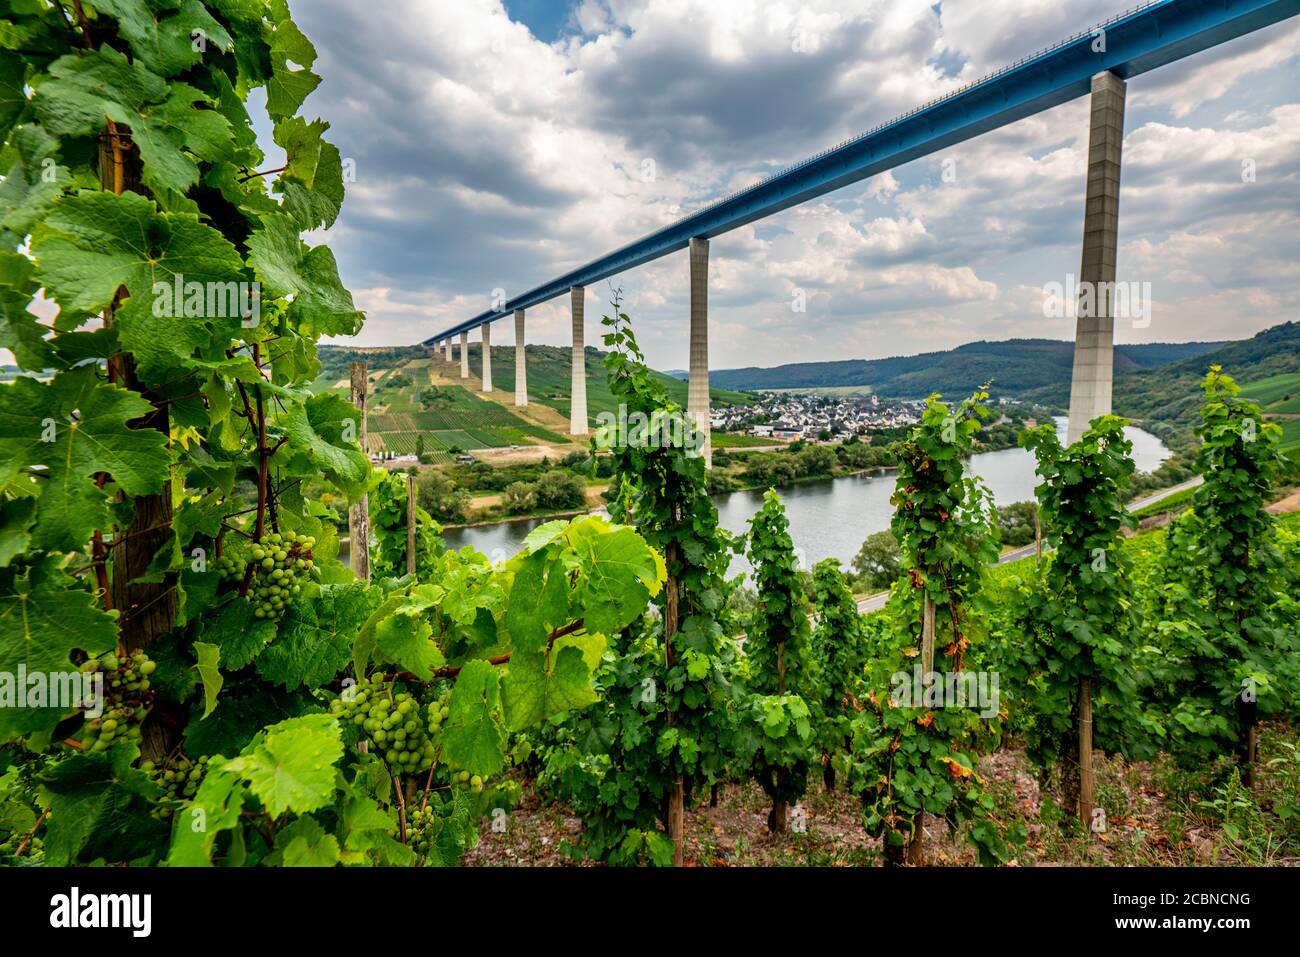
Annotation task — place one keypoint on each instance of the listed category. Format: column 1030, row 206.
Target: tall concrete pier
column 697, row 396
column 578, row 395
column 1094, row 336
column 487, row 356
column 446, row 344
column 521, row 367
column 464, row 355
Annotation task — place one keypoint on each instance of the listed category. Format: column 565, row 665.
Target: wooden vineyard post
column 916, row 847
column 1086, row 787
column 359, row 514
column 1038, row 537
column 410, row 525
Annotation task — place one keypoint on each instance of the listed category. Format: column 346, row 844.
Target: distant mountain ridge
column 1014, row 366
column 1172, row 392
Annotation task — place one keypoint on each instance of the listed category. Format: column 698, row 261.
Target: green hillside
column 402, row 420
column 1279, row 393
column 1013, row 366
column 1172, row 393
column 549, row 379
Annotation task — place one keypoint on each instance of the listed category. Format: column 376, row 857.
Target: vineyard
column 204, row 682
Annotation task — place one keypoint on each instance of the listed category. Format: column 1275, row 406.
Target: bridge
column 1097, row 62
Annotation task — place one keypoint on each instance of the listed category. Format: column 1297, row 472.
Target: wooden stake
column 916, row 846
column 410, row 525
column 1086, row 784
column 359, row 514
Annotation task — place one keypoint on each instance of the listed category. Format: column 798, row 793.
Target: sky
column 497, row 145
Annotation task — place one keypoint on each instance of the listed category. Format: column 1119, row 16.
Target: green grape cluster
column 420, row 825
column 230, row 568
column 280, row 562
column 466, row 780
column 436, row 714
column 180, row 780
column 34, row 850
column 391, row 720
column 126, row 699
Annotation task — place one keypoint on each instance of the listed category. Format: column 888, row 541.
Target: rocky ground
column 1153, row 817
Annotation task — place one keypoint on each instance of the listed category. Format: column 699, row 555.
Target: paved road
column 877, row 601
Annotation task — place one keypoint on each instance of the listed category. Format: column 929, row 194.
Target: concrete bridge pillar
column 1094, row 337
column 697, row 396
column 487, row 356
column 578, row 389
column 446, row 345
column 464, row 355
column 521, row 368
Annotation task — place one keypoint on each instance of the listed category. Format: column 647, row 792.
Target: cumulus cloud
column 489, row 158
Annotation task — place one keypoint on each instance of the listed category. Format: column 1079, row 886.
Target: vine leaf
column 367, row 832
column 209, row 657
column 532, row 692
column 20, row 331
column 166, row 43
column 13, row 99
column 288, row 87
column 304, row 843
column 620, row 575
column 316, row 444
column 473, row 738
column 32, row 184
column 315, row 636
column 289, row 267
column 84, row 89
column 97, row 439
column 220, row 798
column 234, row 629
column 94, row 242
column 101, row 807
column 291, row 767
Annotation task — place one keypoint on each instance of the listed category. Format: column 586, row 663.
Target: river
column 830, row 518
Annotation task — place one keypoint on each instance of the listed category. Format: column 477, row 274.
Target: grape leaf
column 44, row 616
column 86, row 88
column 313, row 182
column 100, row 810
column 94, row 242
column 288, row 87
column 291, row 767
column 162, row 32
column 315, row 640
column 532, row 691
column 473, row 738
column 37, row 428
column 216, row 805
column 288, row 266
column 304, row 843
column 620, row 574
column 367, row 833
column 539, row 600
column 404, row 639
column 234, row 629
column 315, row 429
column 209, row 657
column 13, row 73
column 33, row 183
column 20, row 331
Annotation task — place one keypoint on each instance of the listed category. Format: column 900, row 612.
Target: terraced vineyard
column 409, row 415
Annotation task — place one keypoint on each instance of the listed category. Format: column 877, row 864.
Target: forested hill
column 1172, row 392
column 1014, row 366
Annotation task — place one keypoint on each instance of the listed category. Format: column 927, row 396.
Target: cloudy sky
column 499, row 143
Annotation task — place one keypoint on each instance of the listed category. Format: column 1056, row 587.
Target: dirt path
column 1289, row 504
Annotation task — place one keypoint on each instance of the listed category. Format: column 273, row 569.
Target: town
column 786, row 415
